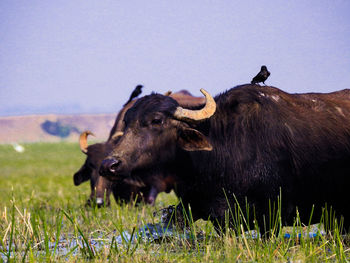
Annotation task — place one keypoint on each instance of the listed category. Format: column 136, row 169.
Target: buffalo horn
column 117, row 134
column 83, row 140
column 196, row 115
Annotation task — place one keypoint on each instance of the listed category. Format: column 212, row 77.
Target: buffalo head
column 156, row 128
column 131, row 187
column 101, row 188
column 88, row 171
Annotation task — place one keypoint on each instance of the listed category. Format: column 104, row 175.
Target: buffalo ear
column 81, row 177
column 192, row 140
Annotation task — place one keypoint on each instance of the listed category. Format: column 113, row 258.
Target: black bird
column 137, row 91
column 261, row 76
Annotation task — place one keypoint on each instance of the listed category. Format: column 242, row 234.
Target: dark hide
column 263, row 141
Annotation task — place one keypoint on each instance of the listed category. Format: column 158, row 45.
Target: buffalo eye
column 157, row 121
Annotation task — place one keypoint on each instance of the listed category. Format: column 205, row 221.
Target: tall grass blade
column 58, row 232
column 12, row 230
column 86, row 241
column 46, row 236
column 26, row 251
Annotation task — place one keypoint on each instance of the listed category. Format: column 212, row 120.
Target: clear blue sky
column 86, row 56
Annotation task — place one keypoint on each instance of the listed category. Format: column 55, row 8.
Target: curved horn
column 168, row 93
column 119, row 122
column 196, row 115
column 83, row 141
column 117, row 135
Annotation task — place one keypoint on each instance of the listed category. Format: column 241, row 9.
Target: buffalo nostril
column 113, row 166
column 109, row 166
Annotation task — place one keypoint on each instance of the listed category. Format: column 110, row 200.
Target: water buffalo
column 249, row 143
column 101, row 188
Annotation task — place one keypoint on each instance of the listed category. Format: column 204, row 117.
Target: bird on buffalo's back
column 261, row 76
column 137, row 91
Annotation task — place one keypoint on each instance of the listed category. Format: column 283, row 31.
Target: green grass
column 39, row 203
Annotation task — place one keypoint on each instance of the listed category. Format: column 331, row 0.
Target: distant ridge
column 28, row 128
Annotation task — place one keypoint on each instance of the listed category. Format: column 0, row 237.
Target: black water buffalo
column 101, row 188
column 249, row 143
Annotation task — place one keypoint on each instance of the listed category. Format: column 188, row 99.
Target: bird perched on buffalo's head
column 137, row 91
column 261, row 76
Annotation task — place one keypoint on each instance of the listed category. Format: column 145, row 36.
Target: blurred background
column 85, row 57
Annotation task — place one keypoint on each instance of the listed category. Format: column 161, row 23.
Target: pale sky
column 87, row 56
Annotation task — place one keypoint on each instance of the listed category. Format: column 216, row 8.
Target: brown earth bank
column 53, row 127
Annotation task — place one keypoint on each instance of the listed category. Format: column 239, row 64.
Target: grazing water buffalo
column 249, row 143
column 101, row 188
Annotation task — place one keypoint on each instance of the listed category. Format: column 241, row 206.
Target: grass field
column 43, row 218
